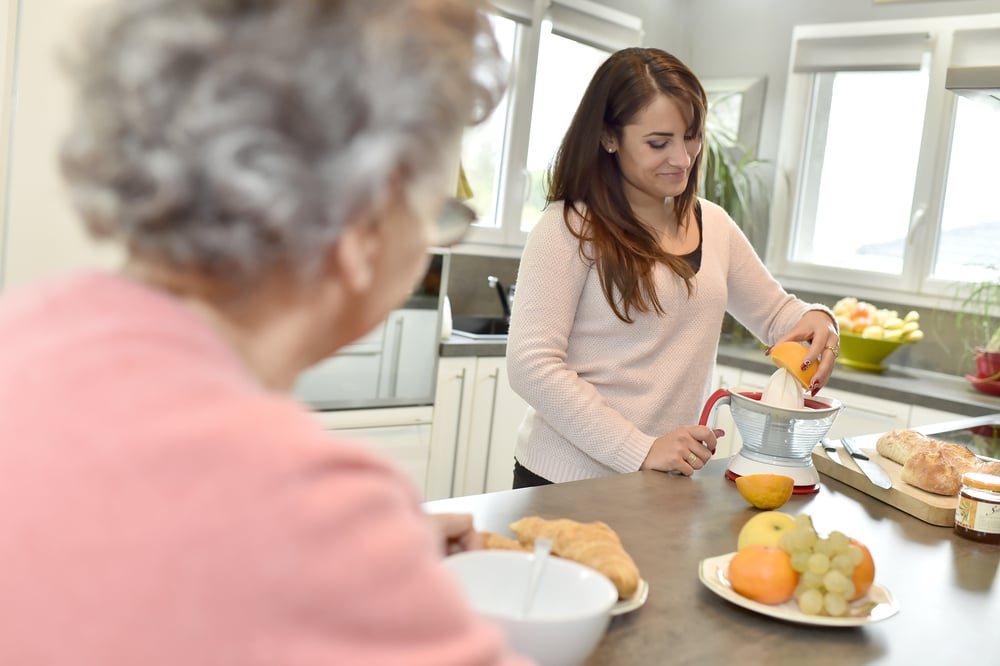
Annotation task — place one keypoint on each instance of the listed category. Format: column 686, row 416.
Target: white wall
column 41, row 232
column 753, row 38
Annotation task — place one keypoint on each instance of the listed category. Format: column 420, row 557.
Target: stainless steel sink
column 480, row 327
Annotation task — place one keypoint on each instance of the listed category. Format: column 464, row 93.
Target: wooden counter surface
column 946, row 586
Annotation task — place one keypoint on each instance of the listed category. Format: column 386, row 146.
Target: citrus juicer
column 776, row 440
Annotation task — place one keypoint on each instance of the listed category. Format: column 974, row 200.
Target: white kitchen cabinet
column 403, row 434
column 864, row 415
column 476, row 418
column 407, row 369
column 922, row 416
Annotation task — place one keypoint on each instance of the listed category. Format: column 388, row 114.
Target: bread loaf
column 933, row 471
column 931, row 464
column 899, row 445
column 595, row 545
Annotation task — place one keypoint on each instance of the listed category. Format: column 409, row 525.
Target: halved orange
column 789, row 355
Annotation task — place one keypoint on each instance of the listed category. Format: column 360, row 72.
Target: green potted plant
column 980, row 310
column 732, row 177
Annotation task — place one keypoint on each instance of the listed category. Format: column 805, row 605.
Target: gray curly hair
column 233, row 136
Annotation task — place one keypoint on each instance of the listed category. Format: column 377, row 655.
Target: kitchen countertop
column 945, row 584
column 933, row 390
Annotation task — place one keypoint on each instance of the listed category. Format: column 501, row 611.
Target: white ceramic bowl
column 570, row 612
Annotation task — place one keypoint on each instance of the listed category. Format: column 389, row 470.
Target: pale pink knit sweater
column 159, row 508
column 601, row 390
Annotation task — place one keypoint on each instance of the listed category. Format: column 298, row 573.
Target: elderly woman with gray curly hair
column 274, row 170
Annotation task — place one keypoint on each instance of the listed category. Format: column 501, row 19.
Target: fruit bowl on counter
column 868, row 335
column 863, row 353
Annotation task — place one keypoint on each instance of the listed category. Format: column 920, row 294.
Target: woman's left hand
column 457, row 531
column 818, row 329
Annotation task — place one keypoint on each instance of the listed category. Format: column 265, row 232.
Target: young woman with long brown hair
column 624, row 283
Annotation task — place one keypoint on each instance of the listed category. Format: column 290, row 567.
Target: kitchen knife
column 831, row 451
column 868, row 467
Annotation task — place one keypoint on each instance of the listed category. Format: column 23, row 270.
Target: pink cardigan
column 158, row 507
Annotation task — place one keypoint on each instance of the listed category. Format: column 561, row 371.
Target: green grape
column 804, row 520
column 855, row 554
column 806, row 538
column 819, row 563
column 811, row 602
column 824, row 546
column 800, row 560
column 811, row 580
column 835, row 581
column 835, row 604
column 849, row 589
column 838, row 541
column 787, row 542
column 843, row 563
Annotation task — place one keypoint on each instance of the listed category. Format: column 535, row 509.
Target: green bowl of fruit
column 865, row 353
column 868, row 335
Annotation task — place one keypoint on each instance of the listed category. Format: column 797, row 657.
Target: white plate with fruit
column 784, row 569
column 878, row 604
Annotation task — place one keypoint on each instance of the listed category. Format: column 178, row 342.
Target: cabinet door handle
column 495, row 376
column 458, row 427
column 394, row 366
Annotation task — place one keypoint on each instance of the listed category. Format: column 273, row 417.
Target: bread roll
column 931, row 464
column 934, row 471
column 593, row 544
column 899, row 445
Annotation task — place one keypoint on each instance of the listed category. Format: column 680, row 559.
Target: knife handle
column 853, row 452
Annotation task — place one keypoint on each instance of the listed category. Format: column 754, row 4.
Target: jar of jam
column 977, row 515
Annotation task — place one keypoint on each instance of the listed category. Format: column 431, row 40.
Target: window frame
column 572, row 19
column 915, row 283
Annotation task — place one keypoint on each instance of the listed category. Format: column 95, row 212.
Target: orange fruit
column 763, row 573
column 864, row 573
column 789, row 355
column 765, row 491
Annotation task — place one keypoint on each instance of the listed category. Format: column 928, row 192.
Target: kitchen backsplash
column 943, row 349
column 468, row 289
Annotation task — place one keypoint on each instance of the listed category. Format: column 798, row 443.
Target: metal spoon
column 543, row 547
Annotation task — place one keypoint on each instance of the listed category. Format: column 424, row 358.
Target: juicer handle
column 720, row 397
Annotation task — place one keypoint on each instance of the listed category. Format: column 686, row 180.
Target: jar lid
column 982, row 481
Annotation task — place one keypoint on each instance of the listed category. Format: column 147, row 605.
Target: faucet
column 506, row 295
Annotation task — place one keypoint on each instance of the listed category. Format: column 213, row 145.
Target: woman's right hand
column 684, row 450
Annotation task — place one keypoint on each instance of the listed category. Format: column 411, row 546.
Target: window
column 863, row 146
column 554, row 47
column 558, row 90
column 482, row 145
column 968, row 245
column 889, row 174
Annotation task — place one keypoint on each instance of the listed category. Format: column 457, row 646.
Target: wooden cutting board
column 928, row 507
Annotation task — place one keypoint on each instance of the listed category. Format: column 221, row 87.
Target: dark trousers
column 525, row 478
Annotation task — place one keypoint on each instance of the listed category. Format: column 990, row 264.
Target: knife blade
column 831, row 451
column 869, row 467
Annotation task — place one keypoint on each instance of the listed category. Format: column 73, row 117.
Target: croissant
column 494, row 541
column 592, row 544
